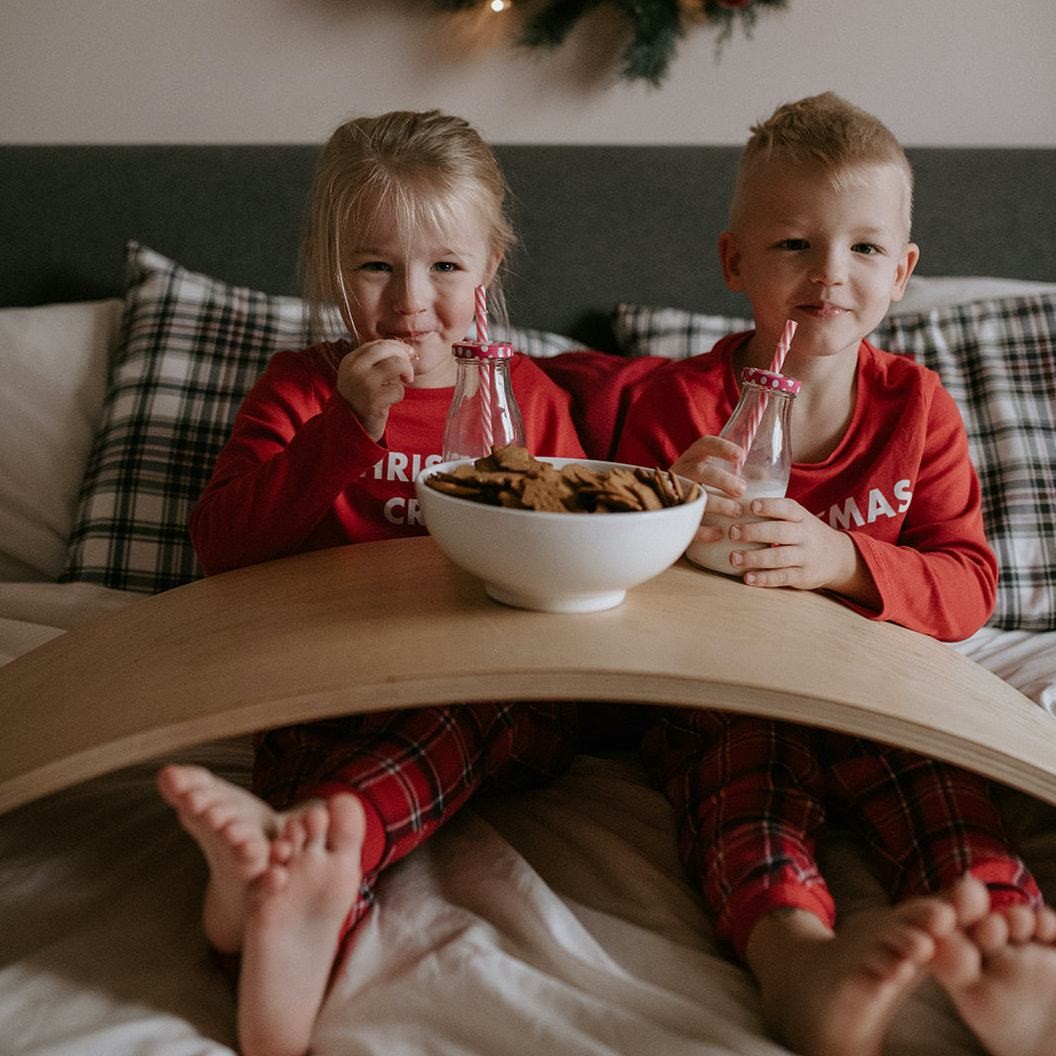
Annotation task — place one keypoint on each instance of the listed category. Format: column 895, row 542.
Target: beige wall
column 959, row 72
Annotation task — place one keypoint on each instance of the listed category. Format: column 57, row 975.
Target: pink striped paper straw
column 487, row 380
column 753, row 426
column 775, row 368
column 782, row 346
column 482, row 314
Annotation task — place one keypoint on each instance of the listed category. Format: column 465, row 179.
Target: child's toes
column 1021, row 921
column 990, row 934
column 957, row 962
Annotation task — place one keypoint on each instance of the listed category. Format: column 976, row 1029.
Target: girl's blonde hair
column 828, row 131
column 422, row 169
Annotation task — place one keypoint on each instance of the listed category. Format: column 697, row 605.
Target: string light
column 498, row 5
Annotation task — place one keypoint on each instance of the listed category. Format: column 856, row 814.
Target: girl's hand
column 709, row 462
column 803, row 552
column 371, row 378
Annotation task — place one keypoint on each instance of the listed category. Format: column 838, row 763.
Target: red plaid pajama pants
column 414, row 769
column 750, row 796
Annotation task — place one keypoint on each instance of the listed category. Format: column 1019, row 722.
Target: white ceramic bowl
column 556, row 562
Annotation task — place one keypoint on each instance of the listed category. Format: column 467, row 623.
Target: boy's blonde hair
column 421, row 169
column 822, row 130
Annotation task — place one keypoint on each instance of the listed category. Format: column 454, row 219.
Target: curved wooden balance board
column 395, row 624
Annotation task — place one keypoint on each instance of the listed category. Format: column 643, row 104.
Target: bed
column 141, row 289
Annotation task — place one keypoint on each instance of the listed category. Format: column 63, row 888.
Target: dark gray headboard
column 597, row 224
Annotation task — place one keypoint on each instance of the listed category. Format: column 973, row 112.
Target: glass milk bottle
column 484, row 413
column 760, row 425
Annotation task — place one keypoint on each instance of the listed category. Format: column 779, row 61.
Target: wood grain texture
column 395, row 624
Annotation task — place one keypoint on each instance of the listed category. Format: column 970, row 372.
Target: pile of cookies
column 511, row 477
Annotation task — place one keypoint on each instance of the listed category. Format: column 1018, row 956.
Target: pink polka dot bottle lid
column 481, row 350
column 771, row 381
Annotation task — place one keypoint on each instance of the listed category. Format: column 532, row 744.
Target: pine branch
column 550, row 26
column 727, row 16
column 657, row 27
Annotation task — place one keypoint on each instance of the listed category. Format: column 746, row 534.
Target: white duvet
column 547, row 923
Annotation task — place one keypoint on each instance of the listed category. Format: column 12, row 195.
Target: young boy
column 819, row 233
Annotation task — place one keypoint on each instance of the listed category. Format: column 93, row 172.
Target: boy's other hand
column 712, row 461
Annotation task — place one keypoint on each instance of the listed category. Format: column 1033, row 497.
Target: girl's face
column 420, row 290
column 831, row 259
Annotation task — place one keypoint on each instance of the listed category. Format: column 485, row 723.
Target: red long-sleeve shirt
column 900, row 481
column 299, row 472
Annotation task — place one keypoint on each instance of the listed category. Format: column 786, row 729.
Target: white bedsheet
column 1024, row 659
column 554, row 921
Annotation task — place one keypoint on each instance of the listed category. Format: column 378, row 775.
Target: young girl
column 408, row 218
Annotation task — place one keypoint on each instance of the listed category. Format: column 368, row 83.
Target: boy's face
column 831, row 259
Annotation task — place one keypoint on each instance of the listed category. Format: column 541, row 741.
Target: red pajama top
column 299, row 472
column 900, row 481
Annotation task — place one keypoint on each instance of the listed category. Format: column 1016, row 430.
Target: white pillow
column 925, row 293
column 53, row 361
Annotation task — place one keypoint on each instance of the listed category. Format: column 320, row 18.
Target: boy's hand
column 371, row 378
column 710, row 461
column 803, row 552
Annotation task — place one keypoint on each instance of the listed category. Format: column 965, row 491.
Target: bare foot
column 999, row 969
column 294, row 917
column 233, row 829
column 835, row 995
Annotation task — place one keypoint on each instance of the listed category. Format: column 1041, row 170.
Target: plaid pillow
column 190, row 348
column 539, row 344
column 672, row 333
column 997, row 358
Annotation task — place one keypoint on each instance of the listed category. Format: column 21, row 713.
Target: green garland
column 656, row 26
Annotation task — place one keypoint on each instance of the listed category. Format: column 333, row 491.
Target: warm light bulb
column 498, row 5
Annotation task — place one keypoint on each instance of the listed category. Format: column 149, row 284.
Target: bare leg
column 999, row 969
column 828, row 994
column 234, row 830
column 295, row 913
